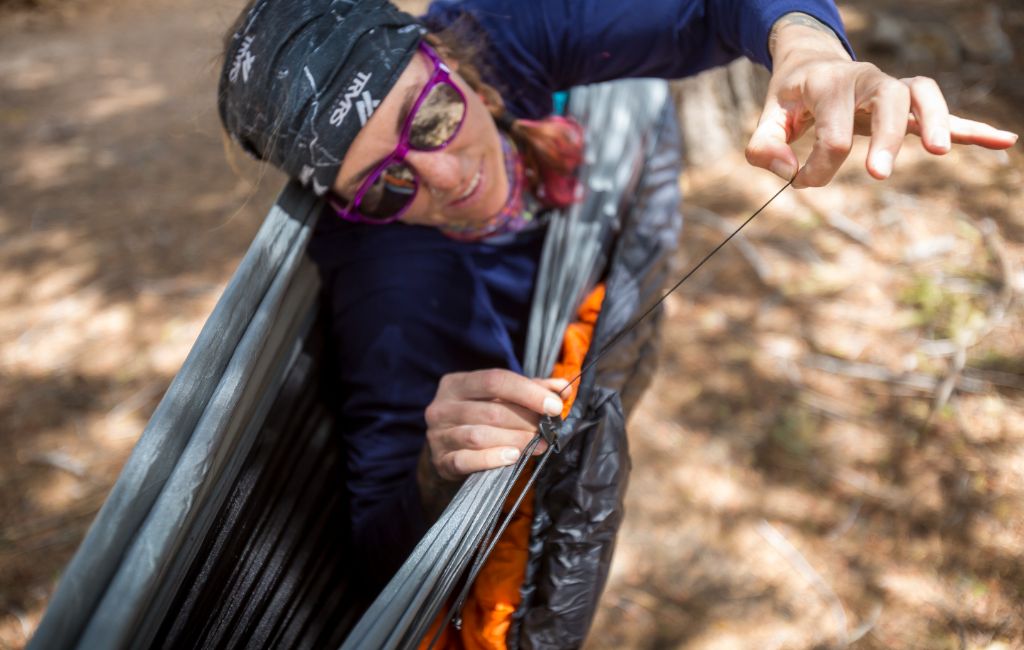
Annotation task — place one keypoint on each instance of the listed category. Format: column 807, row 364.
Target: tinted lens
column 393, row 190
column 438, row 118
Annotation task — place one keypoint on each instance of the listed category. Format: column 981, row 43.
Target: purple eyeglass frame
column 440, row 75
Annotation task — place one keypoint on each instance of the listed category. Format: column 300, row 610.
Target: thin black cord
column 647, row 313
column 496, row 535
column 492, row 539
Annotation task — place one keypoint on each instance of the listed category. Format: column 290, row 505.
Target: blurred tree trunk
column 718, row 109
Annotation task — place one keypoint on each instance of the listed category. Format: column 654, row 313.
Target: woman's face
column 465, row 182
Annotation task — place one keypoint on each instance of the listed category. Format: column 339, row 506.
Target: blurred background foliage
column 831, row 454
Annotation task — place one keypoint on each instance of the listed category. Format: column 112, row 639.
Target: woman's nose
column 440, row 171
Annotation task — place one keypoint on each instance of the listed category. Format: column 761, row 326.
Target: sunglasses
column 433, row 122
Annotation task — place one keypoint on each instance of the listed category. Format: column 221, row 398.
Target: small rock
column 929, row 248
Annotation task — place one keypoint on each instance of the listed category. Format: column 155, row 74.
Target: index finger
column 504, row 385
column 964, row 131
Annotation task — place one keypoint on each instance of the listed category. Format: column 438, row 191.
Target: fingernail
column 552, row 405
column 940, row 138
column 510, row 455
column 882, row 162
column 782, row 169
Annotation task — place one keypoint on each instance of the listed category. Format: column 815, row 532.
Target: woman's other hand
column 483, row 419
column 814, row 82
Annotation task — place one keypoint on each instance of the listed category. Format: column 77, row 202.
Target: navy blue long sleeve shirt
column 536, row 47
column 410, row 305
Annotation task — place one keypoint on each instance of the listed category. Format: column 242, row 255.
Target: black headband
column 301, row 77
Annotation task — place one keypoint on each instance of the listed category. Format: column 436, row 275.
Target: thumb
column 557, row 385
column 768, row 147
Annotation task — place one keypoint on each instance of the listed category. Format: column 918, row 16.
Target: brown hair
column 549, row 149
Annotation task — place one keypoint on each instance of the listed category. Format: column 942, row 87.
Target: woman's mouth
column 472, row 189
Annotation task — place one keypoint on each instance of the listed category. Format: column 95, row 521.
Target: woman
column 438, row 163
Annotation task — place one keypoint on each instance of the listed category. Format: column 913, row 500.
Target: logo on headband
column 364, row 103
column 243, row 61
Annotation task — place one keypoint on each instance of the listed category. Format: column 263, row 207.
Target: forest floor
column 831, row 453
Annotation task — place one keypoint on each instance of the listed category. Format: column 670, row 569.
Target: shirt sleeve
column 532, row 48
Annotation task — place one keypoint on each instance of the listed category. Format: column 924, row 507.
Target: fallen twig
column 888, row 496
column 846, row 524
column 136, row 400
column 965, row 340
column 858, row 632
column 84, row 508
column 945, row 389
column 926, row 249
column 800, row 563
column 749, row 252
column 849, row 227
column 872, row 372
column 1007, row 290
column 937, row 347
column 837, row 220
column 828, row 406
column 995, row 377
column 62, row 461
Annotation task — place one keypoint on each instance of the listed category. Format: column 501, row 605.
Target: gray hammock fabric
column 223, row 528
column 575, row 254
column 123, row 576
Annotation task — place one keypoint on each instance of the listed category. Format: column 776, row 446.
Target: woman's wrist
column 798, row 31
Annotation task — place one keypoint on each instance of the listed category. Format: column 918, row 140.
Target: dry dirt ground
column 832, row 452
